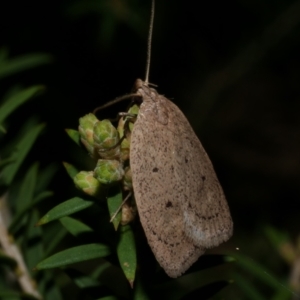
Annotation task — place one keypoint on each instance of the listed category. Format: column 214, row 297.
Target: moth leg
column 119, row 208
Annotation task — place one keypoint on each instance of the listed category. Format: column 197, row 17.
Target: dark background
column 231, row 66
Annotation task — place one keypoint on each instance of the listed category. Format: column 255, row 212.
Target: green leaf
column 275, row 236
column 15, row 224
column 259, row 272
column 74, row 135
column 112, row 277
column 74, row 226
column 21, row 63
column 6, row 162
column 24, row 198
column 6, row 294
column 45, row 176
column 33, row 250
column 285, row 294
column 18, row 99
column 2, row 129
column 20, row 153
column 127, row 253
column 27, row 188
column 64, row 209
column 207, row 291
column 82, row 280
column 71, row 170
column 139, row 291
column 182, row 286
column 42, row 196
column 247, row 288
column 114, row 202
column 74, row 255
column 53, row 236
column 48, row 286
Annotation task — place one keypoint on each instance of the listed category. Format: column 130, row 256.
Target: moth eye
column 155, row 170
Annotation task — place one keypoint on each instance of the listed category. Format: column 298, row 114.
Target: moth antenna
column 112, row 102
column 149, row 42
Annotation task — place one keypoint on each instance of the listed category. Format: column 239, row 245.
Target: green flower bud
column 125, row 145
column 125, row 129
column 86, row 125
column 86, row 182
column 120, row 127
column 134, row 110
column 106, row 139
column 124, row 150
column 127, row 179
column 108, row 171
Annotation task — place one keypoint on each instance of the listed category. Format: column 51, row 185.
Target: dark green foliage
column 232, row 68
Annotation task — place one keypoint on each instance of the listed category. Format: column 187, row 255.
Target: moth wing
column 181, row 204
column 205, row 210
column 158, row 199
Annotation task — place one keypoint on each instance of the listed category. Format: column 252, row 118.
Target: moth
column 180, row 201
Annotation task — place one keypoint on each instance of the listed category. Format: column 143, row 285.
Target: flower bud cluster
column 110, row 147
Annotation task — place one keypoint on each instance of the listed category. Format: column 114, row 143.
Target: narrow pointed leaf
column 33, row 249
column 24, row 198
column 15, row 224
column 114, row 202
column 260, row 272
column 41, row 196
column 27, row 188
column 12, row 295
column 74, row 255
column 18, row 99
column 82, row 280
column 71, row 170
column 64, row 209
column 20, row 153
column 248, row 288
column 282, row 243
column 74, row 226
column 285, row 294
column 207, row 291
column 139, row 291
column 45, row 177
column 53, row 237
column 6, row 161
column 24, row 62
column 48, row 286
column 182, row 286
column 276, row 237
column 2, row 129
column 127, row 252
column 74, row 135
column 112, row 277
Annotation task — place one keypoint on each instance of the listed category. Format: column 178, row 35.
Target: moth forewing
column 181, row 204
